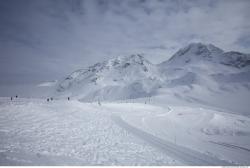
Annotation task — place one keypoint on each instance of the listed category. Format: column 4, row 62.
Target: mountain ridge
column 134, row 76
column 195, row 52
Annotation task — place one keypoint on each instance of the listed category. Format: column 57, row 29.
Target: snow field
column 215, row 133
column 68, row 133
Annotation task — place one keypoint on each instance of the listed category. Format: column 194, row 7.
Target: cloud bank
column 44, row 40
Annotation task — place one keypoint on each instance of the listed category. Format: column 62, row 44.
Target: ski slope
column 61, row 132
column 187, row 156
column 36, row 132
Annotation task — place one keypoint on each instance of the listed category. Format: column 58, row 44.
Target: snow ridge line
column 182, row 154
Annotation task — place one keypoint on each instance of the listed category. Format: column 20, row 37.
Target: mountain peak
column 132, row 57
column 127, row 60
column 117, row 71
column 196, row 52
column 200, row 48
column 133, row 76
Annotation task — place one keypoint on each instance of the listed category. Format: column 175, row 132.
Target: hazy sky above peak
column 47, row 39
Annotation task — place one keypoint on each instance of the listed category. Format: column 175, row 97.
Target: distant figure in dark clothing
column 16, row 96
column 11, row 98
column 51, row 98
column 68, row 98
column 48, row 100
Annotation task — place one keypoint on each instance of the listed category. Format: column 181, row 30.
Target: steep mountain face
column 197, row 65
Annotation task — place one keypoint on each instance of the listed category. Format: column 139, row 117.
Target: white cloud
column 59, row 36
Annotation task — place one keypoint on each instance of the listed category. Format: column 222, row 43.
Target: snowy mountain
column 206, row 62
column 118, row 78
column 205, row 74
column 194, row 52
column 195, row 67
column 198, row 52
column 197, row 114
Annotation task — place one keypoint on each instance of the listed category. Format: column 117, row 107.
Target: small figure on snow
column 51, row 98
column 16, row 96
column 68, row 98
column 47, row 99
column 11, row 98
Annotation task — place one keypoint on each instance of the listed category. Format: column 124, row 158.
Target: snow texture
column 192, row 109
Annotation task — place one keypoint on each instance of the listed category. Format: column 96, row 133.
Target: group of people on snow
column 51, row 99
column 11, row 98
column 48, row 99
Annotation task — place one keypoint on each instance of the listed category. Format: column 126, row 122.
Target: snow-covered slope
column 36, row 132
column 208, row 75
column 197, row 114
column 119, row 78
column 201, row 69
column 197, row 52
column 199, row 62
column 194, row 52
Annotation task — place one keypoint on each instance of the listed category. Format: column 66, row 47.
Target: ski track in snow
column 231, row 146
column 185, row 126
column 34, row 132
column 183, row 154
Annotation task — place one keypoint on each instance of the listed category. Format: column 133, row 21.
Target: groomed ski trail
column 183, row 154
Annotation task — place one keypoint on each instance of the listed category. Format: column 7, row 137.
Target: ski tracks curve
column 183, row 154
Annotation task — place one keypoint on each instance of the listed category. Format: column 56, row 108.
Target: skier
column 51, row 98
column 68, row 98
column 47, row 99
column 11, row 98
column 16, row 96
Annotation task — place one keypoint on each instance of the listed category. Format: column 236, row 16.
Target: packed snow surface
column 61, row 132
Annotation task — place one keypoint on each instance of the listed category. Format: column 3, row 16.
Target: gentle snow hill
column 199, row 72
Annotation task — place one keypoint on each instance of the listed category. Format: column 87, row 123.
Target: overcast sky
column 47, row 39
